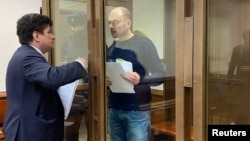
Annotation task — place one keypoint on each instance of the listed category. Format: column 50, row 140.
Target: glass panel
column 228, row 61
column 70, row 28
column 151, row 45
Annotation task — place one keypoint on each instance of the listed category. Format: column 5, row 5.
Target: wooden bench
column 167, row 128
column 3, row 102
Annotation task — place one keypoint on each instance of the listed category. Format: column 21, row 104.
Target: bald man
column 129, row 114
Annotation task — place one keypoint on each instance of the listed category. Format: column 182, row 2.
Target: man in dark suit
column 240, row 58
column 34, row 109
column 234, row 97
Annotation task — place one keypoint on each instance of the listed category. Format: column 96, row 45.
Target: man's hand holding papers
column 115, row 71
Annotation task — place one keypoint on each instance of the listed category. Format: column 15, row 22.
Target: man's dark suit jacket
column 34, row 109
column 240, row 57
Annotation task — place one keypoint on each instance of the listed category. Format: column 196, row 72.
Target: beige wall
column 10, row 11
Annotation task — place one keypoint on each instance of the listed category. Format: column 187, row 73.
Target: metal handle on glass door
column 188, row 51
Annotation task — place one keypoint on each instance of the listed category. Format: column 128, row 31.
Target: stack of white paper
column 67, row 93
column 114, row 72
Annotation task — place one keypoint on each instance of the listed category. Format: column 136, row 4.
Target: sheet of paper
column 114, row 71
column 66, row 93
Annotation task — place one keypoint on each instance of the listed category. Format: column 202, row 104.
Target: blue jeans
column 129, row 125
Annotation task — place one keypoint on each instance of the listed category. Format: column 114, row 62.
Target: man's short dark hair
column 29, row 23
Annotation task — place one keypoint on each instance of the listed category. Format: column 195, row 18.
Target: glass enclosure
column 228, row 30
column 70, row 29
column 227, row 63
column 158, row 25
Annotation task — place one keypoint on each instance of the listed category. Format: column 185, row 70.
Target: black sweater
column 141, row 52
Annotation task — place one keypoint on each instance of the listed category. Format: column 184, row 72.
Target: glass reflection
column 228, row 62
column 75, row 44
column 70, row 28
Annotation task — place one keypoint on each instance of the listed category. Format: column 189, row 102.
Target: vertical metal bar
column 199, row 73
column 188, row 51
column 97, row 122
column 180, row 14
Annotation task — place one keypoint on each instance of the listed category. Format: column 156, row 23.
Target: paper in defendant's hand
column 67, row 93
column 114, row 72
